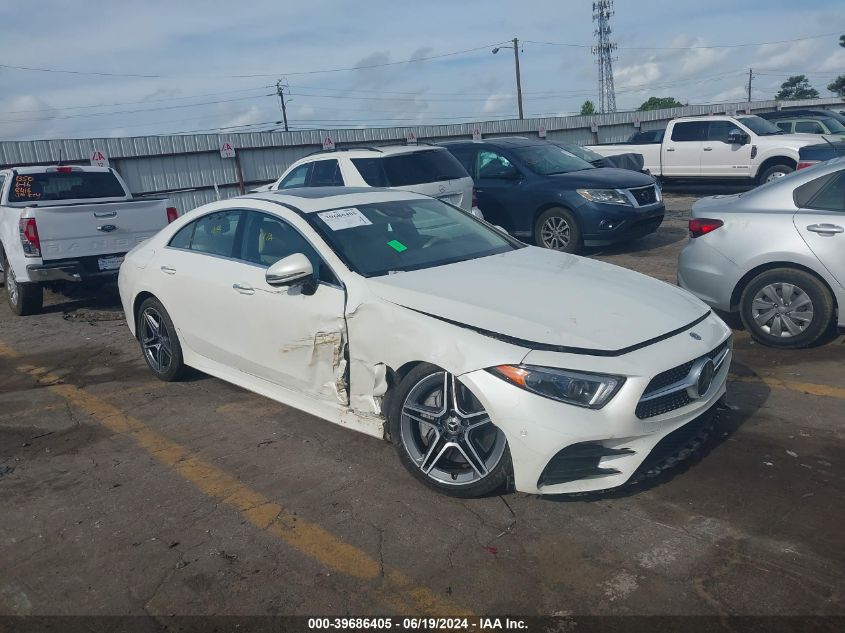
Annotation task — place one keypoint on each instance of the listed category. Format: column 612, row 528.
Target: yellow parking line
column 396, row 590
column 801, row 387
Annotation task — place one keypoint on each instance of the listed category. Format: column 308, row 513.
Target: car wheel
column 786, row 308
column 159, row 341
column 24, row 299
column 444, row 436
column 774, row 172
column 558, row 230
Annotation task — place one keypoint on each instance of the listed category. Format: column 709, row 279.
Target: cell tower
column 603, row 50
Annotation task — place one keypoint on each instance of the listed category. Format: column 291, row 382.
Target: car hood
column 540, row 298
column 601, row 177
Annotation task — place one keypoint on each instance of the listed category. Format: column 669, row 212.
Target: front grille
column 644, row 195
column 676, row 399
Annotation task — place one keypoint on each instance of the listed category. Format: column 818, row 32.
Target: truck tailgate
column 79, row 230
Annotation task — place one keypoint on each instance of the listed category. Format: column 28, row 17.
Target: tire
column 453, row 449
column 775, row 171
column 159, row 341
column 786, row 308
column 24, row 298
column 558, row 230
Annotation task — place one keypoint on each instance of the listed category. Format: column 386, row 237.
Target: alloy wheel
column 555, row 233
column 155, row 341
column 447, row 433
column 782, row 309
column 12, row 284
column 775, row 175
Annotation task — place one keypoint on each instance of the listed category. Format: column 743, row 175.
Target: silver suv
column 425, row 169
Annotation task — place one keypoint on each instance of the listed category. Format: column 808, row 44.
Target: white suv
column 425, row 169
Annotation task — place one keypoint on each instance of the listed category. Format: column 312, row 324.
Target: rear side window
column 808, row 127
column 416, row 168
column 785, row 126
column 689, row 131
column 213, row 234
column 296, row 178
column 372, row 171
column 325, row 173
column 72, row 185
column 831, row 196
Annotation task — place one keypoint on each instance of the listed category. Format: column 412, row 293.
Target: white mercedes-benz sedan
column 488, row 363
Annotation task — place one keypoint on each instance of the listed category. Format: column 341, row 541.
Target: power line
column 686, row 48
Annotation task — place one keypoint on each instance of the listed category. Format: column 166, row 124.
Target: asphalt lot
column 124, row 495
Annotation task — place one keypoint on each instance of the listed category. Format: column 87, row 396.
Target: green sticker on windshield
column 397, row 246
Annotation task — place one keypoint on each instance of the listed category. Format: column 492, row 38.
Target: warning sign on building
column 328, row 142
column 226, row 150
column 99, row 159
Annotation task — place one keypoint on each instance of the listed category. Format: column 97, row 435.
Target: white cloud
column 835, row 62
column 637, row 75
column 496, row 102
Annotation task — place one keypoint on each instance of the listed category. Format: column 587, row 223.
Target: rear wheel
column 774, row 172
column 786, row 308
column 24, row 298
column 159, row 341
column 444, row 436
column 558, row 230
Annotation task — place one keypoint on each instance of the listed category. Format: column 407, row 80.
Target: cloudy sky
column 179, row 66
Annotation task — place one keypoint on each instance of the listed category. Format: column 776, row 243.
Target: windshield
column 580, row 152
column 759, row 126
column 74, row 185
column 834, row 126
column 379, row 238
column 549, row 159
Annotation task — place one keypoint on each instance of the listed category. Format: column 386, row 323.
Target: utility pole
column 518, row 78
column 750, row 77
column 280, row 90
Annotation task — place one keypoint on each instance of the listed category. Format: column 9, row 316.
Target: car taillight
column 806, row 163
column 474, row 197
column 172, row 214
column 29, row 237
column 703, row 226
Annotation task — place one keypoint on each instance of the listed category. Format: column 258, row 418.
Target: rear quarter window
column 417, row 168
column 75, row 185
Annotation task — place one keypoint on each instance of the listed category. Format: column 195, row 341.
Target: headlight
column 573, row 387
column 609, row 196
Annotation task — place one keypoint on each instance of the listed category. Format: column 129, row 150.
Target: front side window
column 720, row 131
column 267, row 239
column 325, row 173
column 808, row 127
column 296, row 178
column 490, row 164
column 213, row 234
column 689, row 131
column 376, row 239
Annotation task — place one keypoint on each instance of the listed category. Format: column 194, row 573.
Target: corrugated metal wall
column 187, row 167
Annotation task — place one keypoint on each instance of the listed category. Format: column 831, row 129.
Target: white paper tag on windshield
column 340, row 219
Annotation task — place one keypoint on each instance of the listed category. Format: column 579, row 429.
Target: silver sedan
column 775, row 254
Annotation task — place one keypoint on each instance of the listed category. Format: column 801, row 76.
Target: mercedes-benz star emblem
column 701, row 378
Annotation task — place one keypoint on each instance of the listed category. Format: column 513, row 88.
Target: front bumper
column 602, row 448
column 606, row 224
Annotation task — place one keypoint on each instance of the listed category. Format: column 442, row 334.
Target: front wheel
column 24, row 299
column 159, row 341
column 786, row 308
column 444, row 436
column 558, row 230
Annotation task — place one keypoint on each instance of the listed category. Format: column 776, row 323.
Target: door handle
column 244, row 289
column 708, row 149
column 670, row 149
column 168, row 270
column 105, row 214
column 826, row 229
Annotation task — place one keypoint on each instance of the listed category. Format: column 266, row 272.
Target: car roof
column 371, row 152
column 500, row 141
column 40, row 169
column 792, row 114
column 314, row 199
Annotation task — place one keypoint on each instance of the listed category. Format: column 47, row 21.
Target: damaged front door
column 293, row 336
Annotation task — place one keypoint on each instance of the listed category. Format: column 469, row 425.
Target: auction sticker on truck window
column 340, row 219
column 110, row 263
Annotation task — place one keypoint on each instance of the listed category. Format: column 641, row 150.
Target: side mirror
column 738, row 137
column 289, row 270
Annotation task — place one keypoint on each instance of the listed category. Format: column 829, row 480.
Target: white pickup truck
column 67, row 223
column 717, row 147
